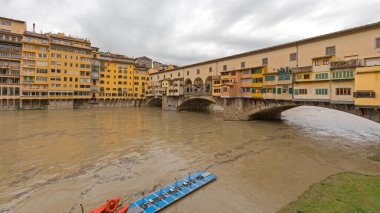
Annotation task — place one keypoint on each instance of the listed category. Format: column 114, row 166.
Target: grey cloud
column 189, row 31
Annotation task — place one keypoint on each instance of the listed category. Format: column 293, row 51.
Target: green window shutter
column 290, row 90
column 278, row 90
column 296, row 91
column 274, row 90
column 263, row 90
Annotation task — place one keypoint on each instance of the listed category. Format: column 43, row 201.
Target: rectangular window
column 198, row 71
column 378, row 43
column 256, row 71
column 284, row 77
column 301, row 91
column 257, row 80
column 42, row 63
column 317, row 63
column 7, row 23
column 188, row 73
column 265, row 61
column 224, row 67
column 364, row 94
column 278, row 90
column 330, row 50
column 246, row 80
column 326, row 62
column 343, row 91
column 321, row 91
column 242, row 64
column 42, row 55
column 42, row 71
column 210, row 69
column 293, row 56
column 270, row 78
column 285, row 89
column 39, row 78
column 322, row 76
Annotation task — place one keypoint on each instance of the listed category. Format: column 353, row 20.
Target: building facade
column 333, row 68
column 11, row 33
column 47, row 70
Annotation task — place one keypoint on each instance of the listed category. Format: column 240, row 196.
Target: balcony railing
column 346, row 64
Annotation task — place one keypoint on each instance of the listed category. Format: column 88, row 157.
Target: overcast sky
column 189, row 31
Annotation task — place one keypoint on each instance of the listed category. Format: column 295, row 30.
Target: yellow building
column 116, row 77
column 35, row 69
column 257, row 75
column 10, row 62
column 303, row 76
column 342, row 77
column 216, row 86
column 141, row 82
column 70, row 67
column 367, row 86
column 95, row 68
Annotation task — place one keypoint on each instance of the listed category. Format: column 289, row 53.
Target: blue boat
column 168, row 195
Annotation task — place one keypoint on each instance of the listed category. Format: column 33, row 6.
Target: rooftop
column 8, row 19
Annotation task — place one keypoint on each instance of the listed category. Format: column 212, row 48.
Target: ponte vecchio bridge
column 339, row 71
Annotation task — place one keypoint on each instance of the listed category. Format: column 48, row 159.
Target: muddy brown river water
column 52, row 161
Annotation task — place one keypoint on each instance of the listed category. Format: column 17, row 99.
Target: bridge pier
column 170, row 103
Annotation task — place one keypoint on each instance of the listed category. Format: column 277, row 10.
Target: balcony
column 9, row 74
column 27, row 81
column 28, row 73
column 346, row 64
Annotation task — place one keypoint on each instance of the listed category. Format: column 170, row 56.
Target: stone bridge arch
column 198, row 103
column 154, row 102
column 272, row 109
column 269, row 112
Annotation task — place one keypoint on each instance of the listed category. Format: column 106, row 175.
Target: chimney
column 34, row 27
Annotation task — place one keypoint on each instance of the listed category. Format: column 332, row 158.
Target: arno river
column 52, row 161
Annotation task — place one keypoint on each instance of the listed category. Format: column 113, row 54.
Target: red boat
column 111, row 206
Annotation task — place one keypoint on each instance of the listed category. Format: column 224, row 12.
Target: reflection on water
column 328, row 122
column 56, row 160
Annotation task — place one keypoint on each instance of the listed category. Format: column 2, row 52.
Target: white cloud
column 188, row 31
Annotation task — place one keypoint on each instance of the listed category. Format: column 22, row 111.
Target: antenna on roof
column 34, row 27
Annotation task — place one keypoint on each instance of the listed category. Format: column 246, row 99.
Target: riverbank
column 375, row 157
column 343, row 192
